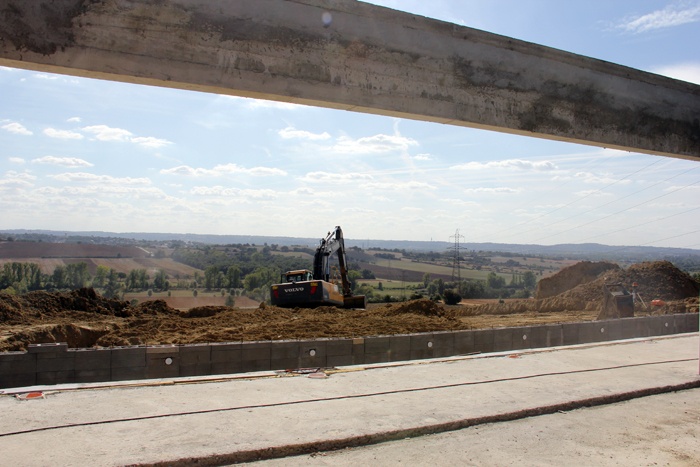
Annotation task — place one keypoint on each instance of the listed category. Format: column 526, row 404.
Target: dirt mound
column 570, row 277
column 203, row 311
column 29, row 307
column 422, row 307
column 154, row 307
column 90, row 320
column 655, row 280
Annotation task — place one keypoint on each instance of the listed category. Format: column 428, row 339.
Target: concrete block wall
column 49, row 364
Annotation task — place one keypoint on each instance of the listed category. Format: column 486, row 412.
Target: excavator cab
column 296, row 276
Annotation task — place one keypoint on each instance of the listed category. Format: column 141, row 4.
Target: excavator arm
column 332, row 243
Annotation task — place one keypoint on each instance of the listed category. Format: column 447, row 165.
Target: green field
column 435, row 269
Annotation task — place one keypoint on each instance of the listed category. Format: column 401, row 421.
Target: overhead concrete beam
column 345, row 54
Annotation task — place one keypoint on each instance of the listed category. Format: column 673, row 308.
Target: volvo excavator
column 308, row 289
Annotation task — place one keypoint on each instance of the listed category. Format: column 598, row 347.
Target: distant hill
column 575, row 251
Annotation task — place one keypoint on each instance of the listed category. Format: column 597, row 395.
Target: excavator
column 307, row 289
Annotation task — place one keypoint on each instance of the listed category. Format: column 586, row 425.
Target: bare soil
column 82, row 318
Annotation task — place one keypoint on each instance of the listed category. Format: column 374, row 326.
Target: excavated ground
column 83, row 318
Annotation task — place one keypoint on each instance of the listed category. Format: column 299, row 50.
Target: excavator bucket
column 355, row 301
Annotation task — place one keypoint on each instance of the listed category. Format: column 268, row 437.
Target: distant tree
column 160, row 281
column 353, row 277
column 230, row 301
column 495, row 281
column 211, row 278
column 112, row 288
column 77, row 275
column 529, row 280
column 233, row 277
column 452, row 297
column 100, row 276
column 58, row 278
column 426, row 279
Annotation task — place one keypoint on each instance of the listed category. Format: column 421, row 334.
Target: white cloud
column 150, row 142
column 224, row 169
column 16, row 128
column 71, row 162
column 588, row 193
column 253, row 171
column 422, row 157
column 331, row 177
column 16, row 160
column 74, row 120
column 517, row 164
column 62, row 134
column 106, row 133
column 588, row 177
column 689, row 72
column 459, row 202
column 13, row 180
column 377, row 144
column 304, row 191
column 501, row 189
column 220, row 191
column 670, row 16
column 399, row 186
column 46, row 76
column 84, row 177
column 120, row 135
column 292, row 133
column 263, row 104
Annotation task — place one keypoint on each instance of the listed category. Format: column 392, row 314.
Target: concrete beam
column 349, row 55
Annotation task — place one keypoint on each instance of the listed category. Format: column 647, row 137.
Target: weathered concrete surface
column 350, row 55
column 260, row 416
column 655, row 430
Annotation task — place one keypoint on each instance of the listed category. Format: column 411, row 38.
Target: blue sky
column 81, row 154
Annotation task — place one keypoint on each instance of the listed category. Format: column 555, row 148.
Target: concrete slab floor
column 264, row 416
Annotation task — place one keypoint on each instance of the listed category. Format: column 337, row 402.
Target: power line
column 643, row 223
column 573, row 202
column 615, row 213
column 617, row 199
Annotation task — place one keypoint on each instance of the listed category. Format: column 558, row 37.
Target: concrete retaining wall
column 47, row 364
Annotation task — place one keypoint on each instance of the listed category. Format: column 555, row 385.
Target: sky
column 87, row 155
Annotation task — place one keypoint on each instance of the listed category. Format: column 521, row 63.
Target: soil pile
column 656, row 280
column 84, row 319
column 570, row 277
column 41, row 306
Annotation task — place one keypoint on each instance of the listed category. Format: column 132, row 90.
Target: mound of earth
column 658, row 280
column 571, row 276
column 40, row 306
